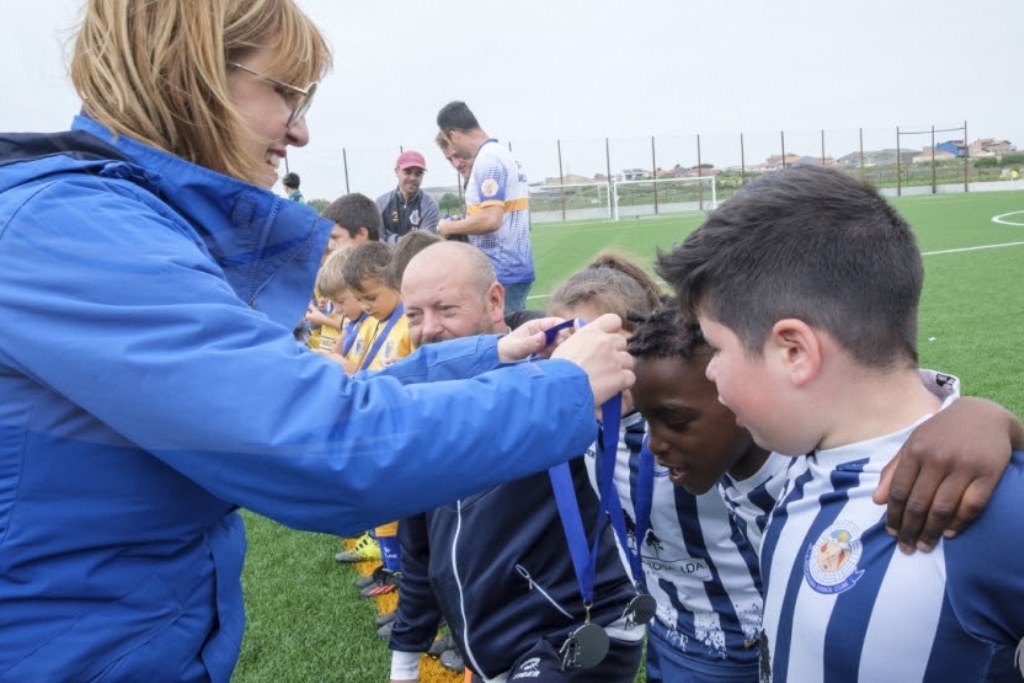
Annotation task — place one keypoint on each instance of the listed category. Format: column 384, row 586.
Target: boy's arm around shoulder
column 944, row 475
column 985, row 566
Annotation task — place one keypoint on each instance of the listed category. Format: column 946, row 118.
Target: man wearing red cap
column 406, row 208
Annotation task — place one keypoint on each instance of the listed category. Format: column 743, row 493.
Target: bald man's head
column 449, row 290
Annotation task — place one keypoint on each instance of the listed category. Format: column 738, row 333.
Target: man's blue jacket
column 150, row 385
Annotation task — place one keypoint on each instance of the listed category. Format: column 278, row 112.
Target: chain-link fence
column 653, row 175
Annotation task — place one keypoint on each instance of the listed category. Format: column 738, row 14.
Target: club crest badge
column 831, row 562
column 489, row 187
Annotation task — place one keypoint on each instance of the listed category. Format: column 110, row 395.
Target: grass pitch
column 306, row 621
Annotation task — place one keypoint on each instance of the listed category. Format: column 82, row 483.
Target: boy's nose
column 711, row 371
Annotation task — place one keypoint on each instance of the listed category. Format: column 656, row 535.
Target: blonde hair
column 330, row 281
column 156, row 70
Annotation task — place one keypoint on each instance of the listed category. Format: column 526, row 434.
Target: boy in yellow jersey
column 368, row 275
column 345, row 345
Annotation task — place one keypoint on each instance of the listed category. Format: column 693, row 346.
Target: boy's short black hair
column 810, row 243
column 291, row 180
column 353, row 211
column 670, row 333
column 456, row 116
column 365, row 262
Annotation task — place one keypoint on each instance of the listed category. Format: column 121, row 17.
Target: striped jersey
column 697, row 563
column 844, row 604
column 498, row 179
column 751, row 500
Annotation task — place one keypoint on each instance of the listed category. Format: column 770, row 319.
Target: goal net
column 574, row 201
column 635, row 198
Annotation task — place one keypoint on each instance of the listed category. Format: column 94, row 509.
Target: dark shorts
column 543, row 664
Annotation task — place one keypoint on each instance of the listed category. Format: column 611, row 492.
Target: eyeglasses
column 298, row 98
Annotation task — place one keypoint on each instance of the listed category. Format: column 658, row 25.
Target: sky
column 572, row 73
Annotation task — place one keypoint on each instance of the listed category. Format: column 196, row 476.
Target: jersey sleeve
column 491, row 178
column 985, row 565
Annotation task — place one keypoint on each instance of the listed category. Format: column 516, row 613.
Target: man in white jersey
column 497, row 203
column 806, row 284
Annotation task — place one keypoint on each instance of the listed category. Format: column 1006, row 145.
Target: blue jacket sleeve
column 133, row 337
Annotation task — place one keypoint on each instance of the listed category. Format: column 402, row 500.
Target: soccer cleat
column 385, row 630
column 387, row 618
column 441, row 645
column 365, row 548
column 364, row 581
column 452, row 660
column 384, row 582
column 376, row 576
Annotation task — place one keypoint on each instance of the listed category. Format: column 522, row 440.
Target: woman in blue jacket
column 145, row 244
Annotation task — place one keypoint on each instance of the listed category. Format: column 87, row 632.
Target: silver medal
column 640, row 610
column 585, row 647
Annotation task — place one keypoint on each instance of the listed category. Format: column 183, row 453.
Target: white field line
column 995, row 219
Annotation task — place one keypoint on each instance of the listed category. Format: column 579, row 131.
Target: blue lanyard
column 350, row 333
column 583, row 562
column 644, row 500
column 372, row 353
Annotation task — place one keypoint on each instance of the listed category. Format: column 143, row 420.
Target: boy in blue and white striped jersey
column 700, row 563
column 806, row 285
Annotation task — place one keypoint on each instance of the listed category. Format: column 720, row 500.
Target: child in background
column 356, row 221
column 814, row 363
column 407, row 246
column 368, row 274
column 344, row 347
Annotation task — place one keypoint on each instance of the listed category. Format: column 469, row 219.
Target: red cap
column 410, row 159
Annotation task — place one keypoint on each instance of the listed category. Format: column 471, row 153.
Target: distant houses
column 982, row 147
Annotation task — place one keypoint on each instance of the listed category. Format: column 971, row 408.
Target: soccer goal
column 572, row 201
column 635, row 198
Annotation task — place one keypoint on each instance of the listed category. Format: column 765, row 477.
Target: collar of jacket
column 268, row 247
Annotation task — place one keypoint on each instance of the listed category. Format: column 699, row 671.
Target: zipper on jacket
column 466, row 651
column 533, row 584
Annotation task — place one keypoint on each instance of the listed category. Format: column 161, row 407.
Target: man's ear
column 796, row 346
column 363, row 234
column 496, row 300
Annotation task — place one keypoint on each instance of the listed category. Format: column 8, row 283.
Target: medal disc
column 641, row 609
column 591, row 645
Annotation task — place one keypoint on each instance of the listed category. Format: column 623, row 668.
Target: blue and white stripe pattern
column 698, row 564
column 843, row 604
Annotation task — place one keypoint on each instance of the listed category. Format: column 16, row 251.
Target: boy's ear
column 797, row 347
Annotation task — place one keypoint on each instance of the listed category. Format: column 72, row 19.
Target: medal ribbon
column 350, row 333
column 644, row 499
column 583, row 562
column 372, row 353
